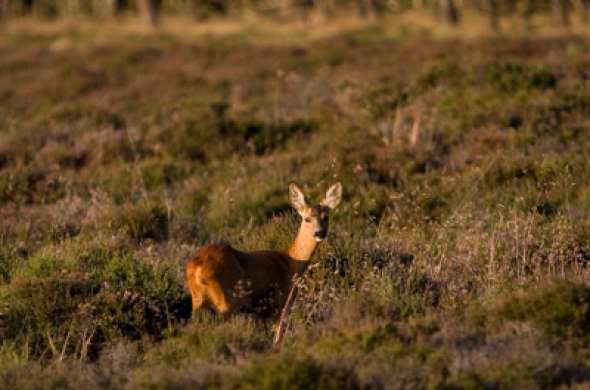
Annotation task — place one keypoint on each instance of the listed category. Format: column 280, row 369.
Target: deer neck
column 302, row 249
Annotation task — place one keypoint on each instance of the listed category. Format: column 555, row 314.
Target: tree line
column 151, row 11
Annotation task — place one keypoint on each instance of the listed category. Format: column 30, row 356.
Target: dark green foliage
column 224, row 135
column 561, row 310
column 441, row 74
column 143, row 221
column 432, row 205
column 115, row 297
column 262, row 138
column 28, row 186
column 296, row 373
column 9, row 259
column 162, row 174
column 512, row 77
column 42, row 309
column 187, row 140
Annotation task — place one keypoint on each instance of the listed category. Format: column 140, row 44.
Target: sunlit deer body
column 227, row 280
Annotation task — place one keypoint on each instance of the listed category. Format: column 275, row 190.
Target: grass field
column 458, row 258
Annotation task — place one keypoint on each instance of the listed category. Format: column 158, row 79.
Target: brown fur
column 227, row 280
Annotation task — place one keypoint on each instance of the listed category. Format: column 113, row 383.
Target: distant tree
column 562, row 9
column 450, row 10
column 324, row 8
column 493, row 10
column 371, row 9
column 49, row 9
column 99, row 8
column 585, row 4
column 149, row 11
column 529, row 9
column 3, row 10
column 283, row 7
column 4, row 7
column 27, row 7
column 510, row 6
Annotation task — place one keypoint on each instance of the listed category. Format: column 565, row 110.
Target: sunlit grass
column 458, row 257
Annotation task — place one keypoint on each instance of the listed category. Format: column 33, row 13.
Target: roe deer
column 226, row 280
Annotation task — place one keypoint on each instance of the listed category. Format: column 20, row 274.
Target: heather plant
column 458, row 257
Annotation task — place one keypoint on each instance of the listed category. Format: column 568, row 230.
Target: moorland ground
column 458, row 258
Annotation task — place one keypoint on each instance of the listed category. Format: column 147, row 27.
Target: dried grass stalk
column 281, row 325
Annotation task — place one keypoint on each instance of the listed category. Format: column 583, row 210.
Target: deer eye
column 307, row 219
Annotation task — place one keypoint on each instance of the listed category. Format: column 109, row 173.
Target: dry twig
column 281, row 325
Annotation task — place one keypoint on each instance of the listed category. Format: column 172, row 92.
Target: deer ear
column 296, row 197
column 333, row 196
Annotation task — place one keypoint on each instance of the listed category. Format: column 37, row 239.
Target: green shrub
column 145, row 220
column 289, row 372
column 511, row 77
column 188, row 139
column 209, row 339
column 49, row 304
column 157, row 174
column 30, row 185
column 444, row 72
column 561, row 310
column 46, row 312
column 263, row 138
column 229, row 208
column 145, row 300
column 9, row 261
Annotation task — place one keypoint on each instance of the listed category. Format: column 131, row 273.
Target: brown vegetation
column 457, row 259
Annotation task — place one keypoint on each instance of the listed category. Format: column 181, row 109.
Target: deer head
column 315, row 218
